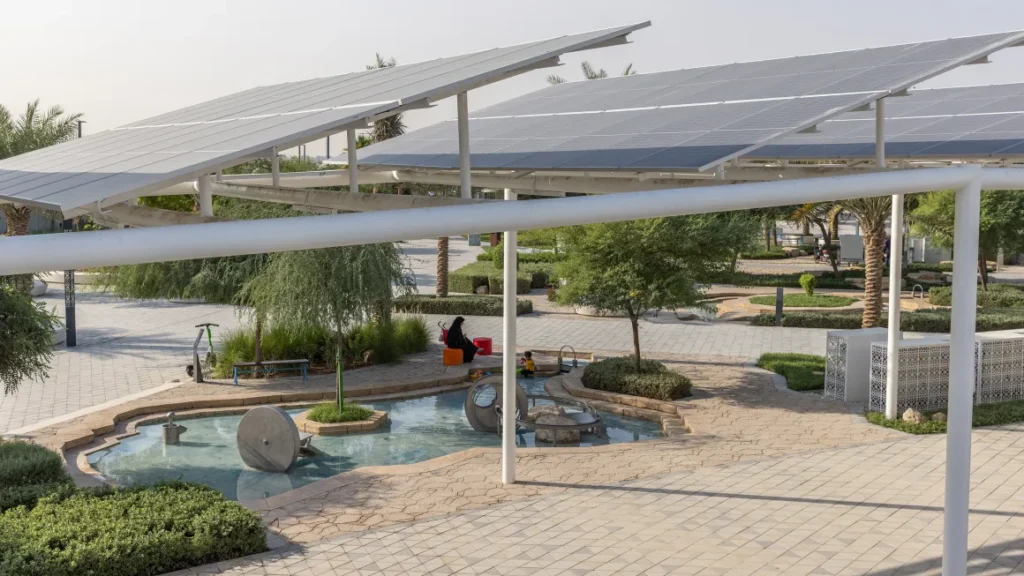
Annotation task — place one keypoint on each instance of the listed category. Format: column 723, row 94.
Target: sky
column 119, row 61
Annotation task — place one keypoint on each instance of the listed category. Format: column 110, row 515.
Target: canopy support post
column 353, row 165
column 967, row 217
column 508, row 357
column 464, row 167
column 275, row 167
column 205, row 195
column 895, row 273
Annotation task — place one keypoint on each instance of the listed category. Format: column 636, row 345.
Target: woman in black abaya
column 457, row 339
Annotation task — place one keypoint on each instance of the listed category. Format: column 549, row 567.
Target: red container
column 485, row 346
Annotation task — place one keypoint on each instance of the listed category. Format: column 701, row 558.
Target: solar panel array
column 689, row 119
column 177, row 146
column 971, row 122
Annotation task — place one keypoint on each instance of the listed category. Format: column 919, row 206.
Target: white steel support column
column 895, row 271
column 205, row 195
column 464, row 167
column 275, row 167
column 961, row 379
column 353, row 163
column 508, row 357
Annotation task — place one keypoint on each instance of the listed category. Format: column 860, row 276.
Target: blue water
column 420, row 429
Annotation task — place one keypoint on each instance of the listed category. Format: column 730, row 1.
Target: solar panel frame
column 176, row 146
column 723, row 85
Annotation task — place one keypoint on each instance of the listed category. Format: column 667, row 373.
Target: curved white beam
column 28, row 254
column 352, row 201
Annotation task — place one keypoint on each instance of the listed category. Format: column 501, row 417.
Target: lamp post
column 70, row 336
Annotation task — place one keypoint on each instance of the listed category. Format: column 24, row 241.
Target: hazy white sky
column 119, row 61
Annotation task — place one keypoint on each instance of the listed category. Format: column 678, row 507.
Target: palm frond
column 590, row 74
column 556, row 79
column 629, row 70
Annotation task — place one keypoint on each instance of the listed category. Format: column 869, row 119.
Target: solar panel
column 154, row 153
column 691, row 119
column 967, row 122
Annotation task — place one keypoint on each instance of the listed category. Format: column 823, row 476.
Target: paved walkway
column 872, row 509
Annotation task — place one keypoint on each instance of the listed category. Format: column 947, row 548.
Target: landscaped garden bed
column 620, row 375
column 801, row 371
column 936, row 321
column 471, row 277
column 825, row 280
column 996, row 296
column 805, row 301
column 982, row 415
column 55, row 529
column 458, row 305
column 329, row 419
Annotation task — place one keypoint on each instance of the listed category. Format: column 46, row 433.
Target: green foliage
column 284, row 163
column 808, row 282
column 467, row 279
column 802, row 371
column 620, row 375
column 982, row 415
column 136, row 531
column 496, row 256
column 26, row 338
column 997, row 296
column 805, row 301
column 329, row 413
column 930, row 267
column 827, row 280
column 458, row 305
column 385, row 342
column 1002, row 211
column 35, row 129
column 28, row 472
column 935, row 321
column 543, row 238
column 775, row 253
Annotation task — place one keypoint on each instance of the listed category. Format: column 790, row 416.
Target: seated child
column 528, row 366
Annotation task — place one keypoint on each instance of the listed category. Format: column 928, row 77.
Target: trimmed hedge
column 997, row 296
column 467, row 279
column 805, row 301
column 496, row 256
column 138, row 531
column 619, row 375
column 936, row 321
column 826, row 280
column 27, row 472
column 982, row 415
column 802, row 371
column 458, row 305
column 329, row 413
column 932, row 267
column 773, row 254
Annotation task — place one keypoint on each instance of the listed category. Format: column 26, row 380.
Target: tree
column 386, row 128
column 822, row 215
column 1001, row 227
column 641, row 266
column 872, row 214
column 589, row 73
column 334, row 287
column 32, row 131
column 26, row 338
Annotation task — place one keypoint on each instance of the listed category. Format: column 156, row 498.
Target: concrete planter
column 376, row 420
column 38, row 287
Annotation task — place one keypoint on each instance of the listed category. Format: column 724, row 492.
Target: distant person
column 529, row 368
column 888, row 246
column 457, row 339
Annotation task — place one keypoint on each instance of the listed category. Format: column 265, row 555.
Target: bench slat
column 273, row 362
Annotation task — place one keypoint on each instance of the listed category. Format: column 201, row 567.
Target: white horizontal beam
column 27, row 254
column 351, row 201
column 147, row 217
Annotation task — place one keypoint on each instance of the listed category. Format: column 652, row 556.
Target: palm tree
column 33, row 130
column 386, row 128
column 589, row 73
column 871, row 213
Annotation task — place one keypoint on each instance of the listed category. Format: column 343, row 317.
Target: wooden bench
column 270, row 366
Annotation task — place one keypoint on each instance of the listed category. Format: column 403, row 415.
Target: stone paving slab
column 872, row 509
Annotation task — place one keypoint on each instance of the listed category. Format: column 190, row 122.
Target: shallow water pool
column 420, row 429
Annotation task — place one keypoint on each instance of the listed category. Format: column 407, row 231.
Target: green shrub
column 28, row 495
column 411, row 334
column 619, row 375
column 802, row 371
column 143, row 530
column 807, row 248
column 808, row 282
column 381, row 343
column 997, row 296
column 24, row 463
column 530, row 275
column 458, row 305
column 805, row 301
column 329, row 413
column 773, row 254
column 826, row 280
column 982, row 415
column 496, row 256
column 929, row 267
column 936, row 321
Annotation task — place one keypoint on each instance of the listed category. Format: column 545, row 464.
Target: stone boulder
column 548, row 409
column 939, row 417
column 557, row 436
column 914, row 417
column 483, row 289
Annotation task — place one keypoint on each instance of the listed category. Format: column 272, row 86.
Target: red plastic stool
column 485, row 346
